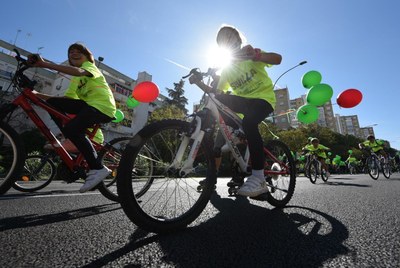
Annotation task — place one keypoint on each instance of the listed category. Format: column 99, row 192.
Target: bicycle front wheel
column 12, row 156
column 39, row 171
column 373, row 167
column 278, row 158
column 171, row 201
column 313, row 171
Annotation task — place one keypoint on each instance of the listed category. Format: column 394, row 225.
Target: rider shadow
column 242, row 234
column 39, row 220
column 339, row 183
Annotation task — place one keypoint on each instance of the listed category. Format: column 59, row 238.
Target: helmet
column 310, row 138
column 314, row 139
column 370, row 137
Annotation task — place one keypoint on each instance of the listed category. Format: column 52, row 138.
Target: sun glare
column 219, row 57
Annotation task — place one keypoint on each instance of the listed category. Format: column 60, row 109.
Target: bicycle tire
column 324, row 176
column 110, row 155
column 386, row 171
column 313, row 172
column 373, row 167
column 12, row 156
column 172, row 202
column 38, row 172
column 281, row 188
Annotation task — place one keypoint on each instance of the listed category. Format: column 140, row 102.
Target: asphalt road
column 350, row 221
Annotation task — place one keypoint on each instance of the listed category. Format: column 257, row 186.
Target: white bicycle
column 181, row 154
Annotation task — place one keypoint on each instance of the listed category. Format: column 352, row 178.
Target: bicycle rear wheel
column 386, row 170
column 39, row 171
column 281, row 187
column 171, row 201
column 373, row 167
column 12, row 156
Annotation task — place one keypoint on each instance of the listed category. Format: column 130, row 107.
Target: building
column 53, row 83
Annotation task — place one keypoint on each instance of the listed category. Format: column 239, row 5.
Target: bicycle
column 40, row 170
column 12, row 152
column 315, row 168
column 376, row 164
column 182, row 155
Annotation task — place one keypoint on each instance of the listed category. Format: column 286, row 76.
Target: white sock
column 259, row 174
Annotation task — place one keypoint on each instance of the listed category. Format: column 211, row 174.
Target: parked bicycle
column 12, row 152
column 181, row 153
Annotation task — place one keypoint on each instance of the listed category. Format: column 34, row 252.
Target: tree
column 166, row 112
column 177, row 96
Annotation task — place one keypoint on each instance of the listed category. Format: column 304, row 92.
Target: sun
column 219, row 57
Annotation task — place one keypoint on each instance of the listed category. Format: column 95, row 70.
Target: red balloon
column 145, row 92
column 349, row 98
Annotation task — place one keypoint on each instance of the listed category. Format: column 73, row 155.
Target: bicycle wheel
column 324, row 175
column 313, row 171
column 386, row 170
column 12, row 156
column 281, row 187
column 39, row 171
column 110, row 155
column 171, row 201
column 373, row 167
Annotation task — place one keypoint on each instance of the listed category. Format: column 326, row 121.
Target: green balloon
column 350, row 151
column 119, row 116
column 319, row 94
column 131, row 102
column 307, row 113
column 311, row 78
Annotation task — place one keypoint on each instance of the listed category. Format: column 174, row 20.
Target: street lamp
column 16, row 36
column 100, row 59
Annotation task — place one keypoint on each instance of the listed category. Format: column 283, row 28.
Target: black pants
column 254, row 111
column 86, row 117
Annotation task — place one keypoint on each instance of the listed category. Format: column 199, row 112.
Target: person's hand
column 35, row 60
column 245, row 53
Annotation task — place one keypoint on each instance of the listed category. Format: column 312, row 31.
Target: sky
column 351, row 43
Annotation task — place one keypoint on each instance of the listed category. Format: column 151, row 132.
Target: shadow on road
column 244, row 234
column 38, row 220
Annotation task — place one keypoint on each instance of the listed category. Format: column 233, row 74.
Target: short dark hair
column 82, row 48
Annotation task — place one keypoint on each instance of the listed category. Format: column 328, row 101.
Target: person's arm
column 256, row 54
column 38, row 61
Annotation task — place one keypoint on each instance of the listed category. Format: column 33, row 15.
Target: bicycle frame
column 24, row 101
column 216, row 108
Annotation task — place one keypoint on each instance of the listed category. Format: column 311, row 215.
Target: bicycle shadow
column 39, row 220
column 340, row 183
column 243, row 234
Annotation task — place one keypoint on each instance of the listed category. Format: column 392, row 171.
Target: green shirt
column 93, row 90
column 248, row 79
column 320, row 148
column 376, row 146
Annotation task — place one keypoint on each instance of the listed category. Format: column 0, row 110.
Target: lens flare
column 219, row 57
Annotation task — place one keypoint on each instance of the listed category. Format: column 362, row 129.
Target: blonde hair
column 83, row 49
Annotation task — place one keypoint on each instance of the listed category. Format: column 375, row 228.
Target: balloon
column 349, row 98
column 329, row 153
column 145, row 91
column 319, row 94
column 350, row 151
column 307, row 113
column 119, row 116
column 311, row 78
column 131, row 102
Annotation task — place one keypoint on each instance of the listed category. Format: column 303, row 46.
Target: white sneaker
column 95, row 176
column 253, row 187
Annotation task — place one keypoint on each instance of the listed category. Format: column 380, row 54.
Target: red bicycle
column 12, row 152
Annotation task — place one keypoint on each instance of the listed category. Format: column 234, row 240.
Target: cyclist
column 320, row 150
column 89, row 98
column 351, row 163
column 304, row 151
column 252, row 95
column 375, row 145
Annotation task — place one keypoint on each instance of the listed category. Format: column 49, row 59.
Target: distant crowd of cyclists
column 350, row 165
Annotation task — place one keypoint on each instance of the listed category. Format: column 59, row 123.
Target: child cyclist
column 320, row 150
column 89, row 98
column 252, row 95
